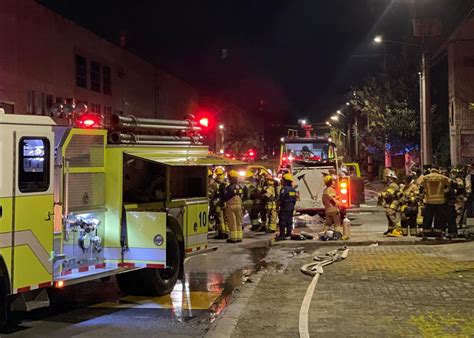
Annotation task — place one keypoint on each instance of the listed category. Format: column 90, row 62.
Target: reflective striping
column 33, row 287
column 196, row 239
column 198, row 248
column 27, row 237
column 83, row 269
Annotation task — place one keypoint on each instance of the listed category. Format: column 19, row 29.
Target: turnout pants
column 271, row 215
column 285, row 222
column 220, row 221
column 233, row 214
column 451, row 216
column 437, row 213
column 257, row 213
column 333, row 219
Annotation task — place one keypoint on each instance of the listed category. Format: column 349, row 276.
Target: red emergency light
column 204, row 122
column 89, row 121
column 344, row 191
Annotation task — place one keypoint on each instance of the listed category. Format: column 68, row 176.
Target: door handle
column 49, row 216
column 1, row 211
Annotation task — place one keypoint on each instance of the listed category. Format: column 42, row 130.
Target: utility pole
column 425, row 114
column 356, row 135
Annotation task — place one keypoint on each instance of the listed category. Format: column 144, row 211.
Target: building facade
column 461, row 93
column 46, row 59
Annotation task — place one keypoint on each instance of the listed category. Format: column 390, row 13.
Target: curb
column 227, row 321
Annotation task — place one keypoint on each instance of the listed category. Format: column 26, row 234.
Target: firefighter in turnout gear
column 217, row 191
column 258, row 215
column 286, row 201
column 232, row 198
column 269, row 198
column 249, row 185
column 455, row 201
column 388, row 199
column 409, row 206
column 331, row 208
column 435, row 186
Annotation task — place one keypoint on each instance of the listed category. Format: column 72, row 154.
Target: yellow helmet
column 219, row 171
column 249, row 174
column 209, row 172
column 327, row 179
column 233, row 173
column 287, row 177
column 262, row 172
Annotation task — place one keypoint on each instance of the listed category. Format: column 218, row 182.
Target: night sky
column 300, row 57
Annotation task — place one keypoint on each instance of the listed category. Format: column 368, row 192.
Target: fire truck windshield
column 313, row 151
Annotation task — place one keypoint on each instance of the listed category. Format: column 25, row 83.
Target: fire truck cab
column 80, row 202
column 309, row 159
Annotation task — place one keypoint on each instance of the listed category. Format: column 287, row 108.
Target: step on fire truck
column 80, row 202
column 309, row 159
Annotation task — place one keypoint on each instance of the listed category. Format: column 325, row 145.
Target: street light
column 335, row 118
column 329, row 123
column 426, row 155
column 221, row 131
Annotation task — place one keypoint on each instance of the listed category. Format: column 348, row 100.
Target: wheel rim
column 172, row 258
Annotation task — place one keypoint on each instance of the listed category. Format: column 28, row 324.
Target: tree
column 387, row 102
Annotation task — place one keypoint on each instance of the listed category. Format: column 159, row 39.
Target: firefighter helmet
column 220, row 171
column 233, row 174
column 209, row 172
column 287, row 177
column 262, row 172
column 391, row 174
column 328, row 179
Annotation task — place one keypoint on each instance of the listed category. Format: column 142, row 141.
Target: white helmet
column 392, row 174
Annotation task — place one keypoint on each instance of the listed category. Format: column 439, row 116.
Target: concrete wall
column 37, row 59
column 461, row 94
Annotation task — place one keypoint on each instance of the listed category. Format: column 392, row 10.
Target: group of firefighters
column 265, row 198
column 432, row 203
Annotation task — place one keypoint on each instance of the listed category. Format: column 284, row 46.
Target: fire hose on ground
column 315, row 269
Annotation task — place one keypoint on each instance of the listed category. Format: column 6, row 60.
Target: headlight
column 158, row 240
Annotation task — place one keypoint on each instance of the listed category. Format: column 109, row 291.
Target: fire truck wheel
column 162, row 281
column 3, row 302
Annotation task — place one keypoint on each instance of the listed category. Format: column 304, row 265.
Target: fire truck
column 79, row 201
column 309, row 159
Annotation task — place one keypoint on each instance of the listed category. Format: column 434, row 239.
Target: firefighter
column 331, row 208
column 409, row 206
column 232, row 198
column 287, row 201
column 249, row 185
column 388, row 198
column 217, row 189
column 258, row 215
column 435, row 186
column 269, row 198
column 456, row 200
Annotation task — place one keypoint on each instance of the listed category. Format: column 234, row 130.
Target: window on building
column 95, row 76
column 81, row 71
column 95, row 108
column 33, row 161
column 107, row 80
column 49, row 103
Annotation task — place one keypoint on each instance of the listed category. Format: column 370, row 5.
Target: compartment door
column 146, row 234
column 33, row 209
column 196, row 225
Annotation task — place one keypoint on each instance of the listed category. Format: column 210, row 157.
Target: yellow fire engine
column 80, row 202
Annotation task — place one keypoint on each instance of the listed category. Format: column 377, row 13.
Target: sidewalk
column 394, row 291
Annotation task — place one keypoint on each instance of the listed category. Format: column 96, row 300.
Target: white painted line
column 304, row 310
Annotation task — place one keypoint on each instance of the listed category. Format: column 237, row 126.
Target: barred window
column 107, row 80
column 81, row 71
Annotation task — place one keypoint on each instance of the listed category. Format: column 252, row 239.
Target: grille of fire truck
column 138, row 130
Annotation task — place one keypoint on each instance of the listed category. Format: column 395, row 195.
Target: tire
column 4, row 303
column 155, row 282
